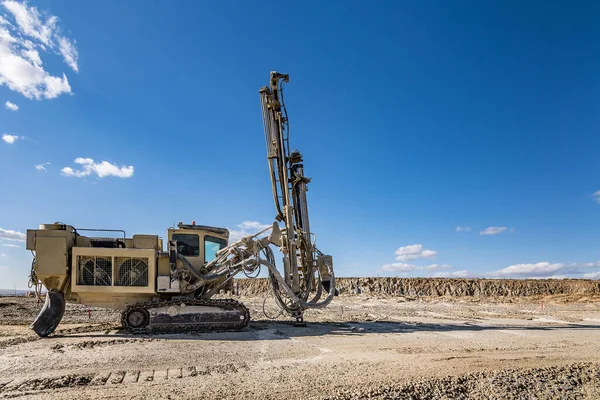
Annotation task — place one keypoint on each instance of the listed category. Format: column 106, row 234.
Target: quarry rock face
column 418, row 287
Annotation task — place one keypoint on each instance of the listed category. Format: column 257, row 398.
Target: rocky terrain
column 395, row 339
column 435, row 287
column 575, row 381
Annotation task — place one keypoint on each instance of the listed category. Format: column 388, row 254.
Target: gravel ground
column 358, row 347
column 574, row 381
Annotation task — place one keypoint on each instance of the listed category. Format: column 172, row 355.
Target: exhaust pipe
column 50, row 315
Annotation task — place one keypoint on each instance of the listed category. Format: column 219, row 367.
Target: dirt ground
column 359, row 347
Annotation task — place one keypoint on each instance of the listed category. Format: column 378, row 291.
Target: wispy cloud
column 493, row 230
column 69, row 52
column 592, row 275
column 23, row 34
column 246, row 228
column 539, row 270
column 253, row 225
column 10, row 245
column 413, row 252
column 11, row 106
column 463, row 273
column 463, row 228
column 407, row 267
column 524, row 270
column 545, row 269
column 399, row 267
column 101, row 169
column 596, row 196
column 409, row 253
column 42, row 166
column 9, row 234
column 434, row 267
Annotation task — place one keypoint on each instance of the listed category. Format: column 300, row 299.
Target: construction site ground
column 361, row 346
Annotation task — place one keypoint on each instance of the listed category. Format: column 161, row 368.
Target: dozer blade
column 50, row 315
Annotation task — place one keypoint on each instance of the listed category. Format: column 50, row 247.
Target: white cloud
column 12, row 235
column 399, row 267
column 463, row 228
column 246, row 228
column 10, row 139
column 413, row 252
column 596, row 196
column 434, row 267
column 548, row 270
column 9, row 245
column 592, row 264
column 30, row 21
column 33, row 56
column 493, row 230
column 253, row 225
column 69, row 52
column 3, row 254
column 463, row 273
column 84, row 161
column 525, row 270
column 107, row 169
column 11, row 106
column 42, row 167
column 102, row 169
column 405, row 267
column 540, row 270
column 68, row 171
column 21, row 41
column 592, row 275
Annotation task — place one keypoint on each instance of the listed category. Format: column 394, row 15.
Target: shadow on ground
column 274, row 330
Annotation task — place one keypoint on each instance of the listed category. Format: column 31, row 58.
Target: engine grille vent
column 104, row 242
column 94, row 271
column 131, row 271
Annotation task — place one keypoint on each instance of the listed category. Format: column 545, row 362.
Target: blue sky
column 414, row 118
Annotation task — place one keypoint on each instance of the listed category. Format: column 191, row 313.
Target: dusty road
column 358, row 347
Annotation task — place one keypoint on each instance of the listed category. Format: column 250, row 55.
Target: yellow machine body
column 109, row 272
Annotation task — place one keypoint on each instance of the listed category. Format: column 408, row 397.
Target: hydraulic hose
column 205, row 278
column 295, row 299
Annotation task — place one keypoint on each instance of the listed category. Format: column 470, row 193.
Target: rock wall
column 414, row 287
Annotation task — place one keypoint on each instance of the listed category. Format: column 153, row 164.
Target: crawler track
column 173, row 316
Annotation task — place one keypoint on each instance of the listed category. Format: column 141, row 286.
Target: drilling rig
column 169, row 287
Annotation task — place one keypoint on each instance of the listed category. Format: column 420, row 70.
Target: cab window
column 211, row 246
column 187, row 245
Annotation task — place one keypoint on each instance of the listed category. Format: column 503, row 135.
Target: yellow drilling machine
column 164, row 287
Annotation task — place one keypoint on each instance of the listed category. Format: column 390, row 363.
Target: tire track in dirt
column 58, row 333
column 91, row 344
column 115, row 378
column 15, row 341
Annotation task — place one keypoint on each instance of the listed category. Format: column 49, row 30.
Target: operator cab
column 198, row 243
